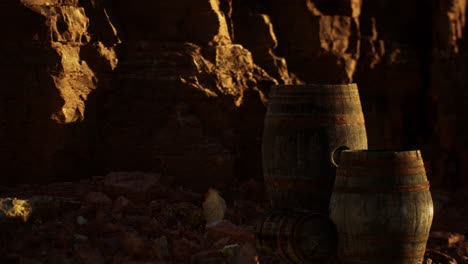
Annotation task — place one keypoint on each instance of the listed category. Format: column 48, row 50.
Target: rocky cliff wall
column 180, row 87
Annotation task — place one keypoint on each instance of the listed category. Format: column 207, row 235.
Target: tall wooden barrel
column 303, row 124
column 381, row 206
column 297, row 237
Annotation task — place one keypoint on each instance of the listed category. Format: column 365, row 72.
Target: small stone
column 160, row 247
column 439, row 257
column 88, row 255
column 80, row 237
column 208, row 256
column 156, row 206
column 102, row 217
column 133, row 244
column 184, row 248
column 152, row 227
column 12, row 208
column 59, row 257
column 222, row 242
column 98, row 200
column 50, row 207
column 189, row 214
column 253, row 190
column 63, row 237
column 109, row 244
column 175, row 196
column 247, row 255
column 225, row 228
column 442, row 238
column 112, row 228
column 119, row 206
column 214, row 206
column 230, row 250
column 463, row 249
column 134, row 185
column 137, row 221
column 80, row 220
column 28, row 261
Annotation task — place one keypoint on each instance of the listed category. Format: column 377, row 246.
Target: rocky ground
column 138, row 218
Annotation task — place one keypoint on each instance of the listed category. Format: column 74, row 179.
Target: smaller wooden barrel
column 382, row 207
column 297, row 236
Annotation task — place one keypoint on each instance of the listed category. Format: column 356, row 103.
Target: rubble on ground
column 114, row 220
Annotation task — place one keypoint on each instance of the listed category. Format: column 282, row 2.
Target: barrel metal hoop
column 284, row 236
column 381, row 172
column 397, row 189
column 303, row 97
column 259, row 233
column 314, row 94
column 387, row 254
column 384, row 161
column 414, row 239
column 270, row 244
column 294, row 232
column 317, row 118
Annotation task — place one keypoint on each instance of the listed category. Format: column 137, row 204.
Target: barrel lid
column 312, row 88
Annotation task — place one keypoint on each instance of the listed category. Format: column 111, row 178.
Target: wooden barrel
column 297, row 236
column 381, row 206
column 303, row 124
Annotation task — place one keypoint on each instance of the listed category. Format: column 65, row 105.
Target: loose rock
column 160, row 247
column 98, row 201
column 88, row 254
column 225, row 228
column 214, row 206
column 133, row 244
column 445, row 239
column 134, row 185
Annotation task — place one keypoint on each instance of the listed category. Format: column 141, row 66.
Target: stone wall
column 181, row 87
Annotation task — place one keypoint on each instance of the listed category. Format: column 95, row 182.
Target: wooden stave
column 344, row 129
column 398, row 247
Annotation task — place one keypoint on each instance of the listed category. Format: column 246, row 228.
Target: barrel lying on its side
column 303, row 124
column 297, row 237
column 382, row 207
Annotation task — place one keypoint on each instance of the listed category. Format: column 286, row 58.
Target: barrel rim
column 315, row 85
column 294, row 90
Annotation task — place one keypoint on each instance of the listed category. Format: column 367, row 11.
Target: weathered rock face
column 255, row 31
column 392, row 72
column 320, row 45
column 448, row 92
column 199, row 21
column 190, row 88
column 183, row 111
column 412, row 82
column 48, row 80
column 186, row 97
column 180, row 87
